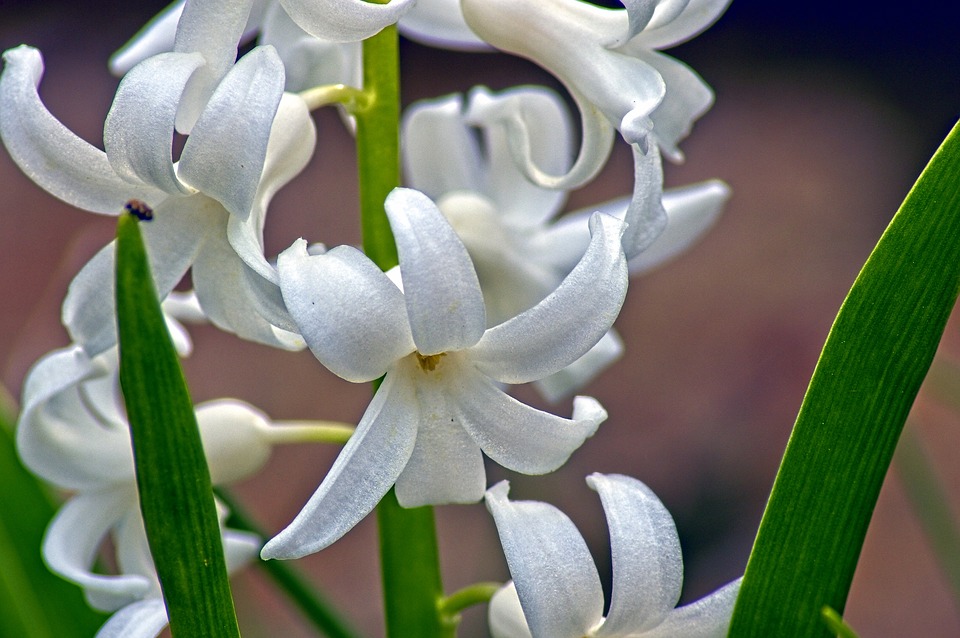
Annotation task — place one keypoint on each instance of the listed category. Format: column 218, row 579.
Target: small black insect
column 139, row 209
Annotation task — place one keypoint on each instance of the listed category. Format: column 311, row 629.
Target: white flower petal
column 571, row 320
column 71, row 542
column 442, row 293
column 505, row 615
column 143, row 619
column 233, row 439
column 708, row 617
column 225, row 153
column 440, row 23
column 239, row 548
column 366, row 468
column 552, row 569
column 669, row 28
column 645, row 217
column 71, row 431
column 232, row 299
column 132, row 548
column 212, row 28
column 519, row 437
column 138, row 132
column 436, row 125
column 645, row 551
column 61, row 163
column 156, row 36
column 596, row 143
column 351, row 315
column 172, row 238
column 345, row 20
column 293, row 137
column 446, row 465
column 583, row 370
column 546, row 121
column 687, row 99
column 691, row 211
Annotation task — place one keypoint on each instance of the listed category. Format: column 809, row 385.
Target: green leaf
column 871, row 367
column 34, row 603
column 176, row 496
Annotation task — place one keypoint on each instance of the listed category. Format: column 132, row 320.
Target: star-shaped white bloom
column 556, row 591
column 73, row 433
column 507, row 223
column 609, row 61
column 439, row 404
column 208, row 207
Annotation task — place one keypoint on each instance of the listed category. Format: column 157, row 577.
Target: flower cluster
column 495, row 286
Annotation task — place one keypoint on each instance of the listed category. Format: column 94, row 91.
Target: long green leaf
column 34, row 603
column 176, row 496
column 871, row 367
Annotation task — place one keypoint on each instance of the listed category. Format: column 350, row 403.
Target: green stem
column 475, row 594
column 378, row 144
column 307, row 599
column 411, row 571
column 409, row 558
column 835, row 623
column 931, row 505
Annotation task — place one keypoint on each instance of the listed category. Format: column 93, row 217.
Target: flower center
column 428, row 363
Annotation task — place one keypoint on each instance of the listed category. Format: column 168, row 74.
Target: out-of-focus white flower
column 507, row 223
column 208, row 207
column 309, row 60
column 73, row 433
column 609, row 61
column 556, row 592
column 439, row 404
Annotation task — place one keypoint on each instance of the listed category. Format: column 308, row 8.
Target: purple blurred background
column 825, row 115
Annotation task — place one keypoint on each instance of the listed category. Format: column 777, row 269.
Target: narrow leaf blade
column 176, row 496
column 871, row 367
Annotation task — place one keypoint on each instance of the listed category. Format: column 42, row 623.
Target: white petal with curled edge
column 432, row 125
column 60, row 162
column 345, row 20
column 505, row 615
column 225, row 154
column 156, row 36
column 519, row 437
column 142, row 619
column 363, row 473
column 232, row 299
column 571, row 320
column 551, row 567
column 440, row 23
column 687, row 98
column 547, row 122
column 691, row 211
column 583, row 370
column 352, row 317
column 595, row 145
column 645, row 217
column 138, row 132
column 133, row 550
column 442, row 293
column 212, row 28
column 71, row 541
column 446, row 465
column 645, row 552
column 669, row 28
column 708, row 617
column 172, row 238
column 293, row 137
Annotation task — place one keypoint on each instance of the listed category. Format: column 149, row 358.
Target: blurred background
column 825, row 115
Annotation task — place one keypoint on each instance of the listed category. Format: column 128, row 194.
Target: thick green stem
column 408, row 542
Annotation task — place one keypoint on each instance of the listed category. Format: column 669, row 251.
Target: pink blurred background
column 819, row 148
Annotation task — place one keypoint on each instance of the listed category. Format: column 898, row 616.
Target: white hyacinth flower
column 556, row 591
column 208, row 207
column 439, row 404
column 509, row 225
column 73, row 433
